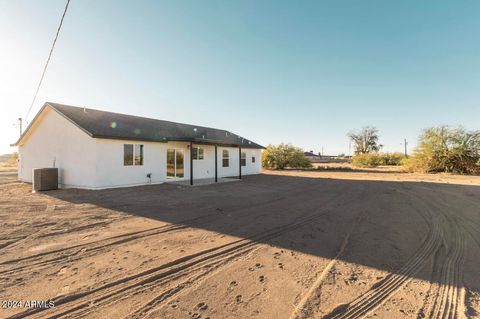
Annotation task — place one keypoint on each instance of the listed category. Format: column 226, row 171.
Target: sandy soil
column 8, row 175
column 278, row 245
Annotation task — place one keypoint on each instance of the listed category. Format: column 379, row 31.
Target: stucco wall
column 206, row 168
column 233, row 169
column 112, row 173
column 54, row 141
column 253, row 167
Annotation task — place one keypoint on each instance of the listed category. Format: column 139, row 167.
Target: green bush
column 377, row 159
column 284, row 155
column 366, row 160
column 393, row 159
column 446, row 149
column 414, row 164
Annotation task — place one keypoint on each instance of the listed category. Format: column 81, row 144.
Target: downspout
column 216, row 166
column 239, row 162
column 191, row 163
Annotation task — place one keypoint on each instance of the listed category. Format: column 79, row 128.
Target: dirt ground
column 7, row 175
column 362, row 244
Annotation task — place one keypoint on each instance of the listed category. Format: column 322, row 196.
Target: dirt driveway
column 278, row 245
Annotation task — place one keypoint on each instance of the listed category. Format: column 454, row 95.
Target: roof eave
column 29, row 126
column 174, row 139
column 38, row 114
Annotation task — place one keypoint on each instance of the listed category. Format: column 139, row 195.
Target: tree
column 447, row 149
column 366, row 140
column 284, row 155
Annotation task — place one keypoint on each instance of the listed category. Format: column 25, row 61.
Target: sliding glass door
column 175, row 163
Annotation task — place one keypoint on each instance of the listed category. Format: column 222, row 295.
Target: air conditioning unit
column 45, row 179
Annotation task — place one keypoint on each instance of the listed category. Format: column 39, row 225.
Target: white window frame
column 225, row 158
column 243, row 158
column 142, row 152
column 199, row 154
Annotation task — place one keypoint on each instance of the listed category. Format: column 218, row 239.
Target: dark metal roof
column 310, row 154
column 109, row 125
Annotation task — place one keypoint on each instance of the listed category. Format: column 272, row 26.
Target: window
column 138, row 154
column 132, row 154
column 243, row 159
column 225, row 157
column 198, row 153
column 127, row 154
column 253, row 159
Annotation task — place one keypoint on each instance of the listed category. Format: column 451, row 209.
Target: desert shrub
column 377, row 159
column 414, row 164
column 446, row 149
column 393, row 159
column 284, row 155
column 367, row 160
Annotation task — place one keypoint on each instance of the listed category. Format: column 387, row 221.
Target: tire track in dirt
column 201, row 273
column 81, row 251
column 447, row 300
column 91, row 248
column 34, row 234
column 160, row 299
column 383, row 290
column 66, row 249
column 158, row 276
column 65, row 229
column 444, row 302
column 301, row 309
column 35, row 231
column 446, row 295
column 252, row 245
column 43, row 232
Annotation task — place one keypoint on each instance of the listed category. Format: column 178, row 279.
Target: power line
column 48, row 60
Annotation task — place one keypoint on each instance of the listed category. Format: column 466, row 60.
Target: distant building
column 319, row 158
column 312, row 157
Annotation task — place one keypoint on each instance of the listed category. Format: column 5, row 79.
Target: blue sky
column 304, row 72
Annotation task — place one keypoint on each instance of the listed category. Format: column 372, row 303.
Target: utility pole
column 20, row 125
column 405, row 143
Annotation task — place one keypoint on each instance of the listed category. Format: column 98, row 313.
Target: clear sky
column 304, row 72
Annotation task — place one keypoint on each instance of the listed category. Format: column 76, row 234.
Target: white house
column 95, row 149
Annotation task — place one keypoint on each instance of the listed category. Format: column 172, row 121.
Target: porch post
column 216, row 169
column 240, row 162
column 191, row 163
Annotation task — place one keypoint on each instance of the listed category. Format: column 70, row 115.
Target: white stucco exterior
column 93, row 163
column 54, row 141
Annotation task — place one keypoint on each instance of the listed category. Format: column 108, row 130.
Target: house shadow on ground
column 388, row 221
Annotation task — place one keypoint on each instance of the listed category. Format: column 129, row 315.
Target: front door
column 175, row 165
